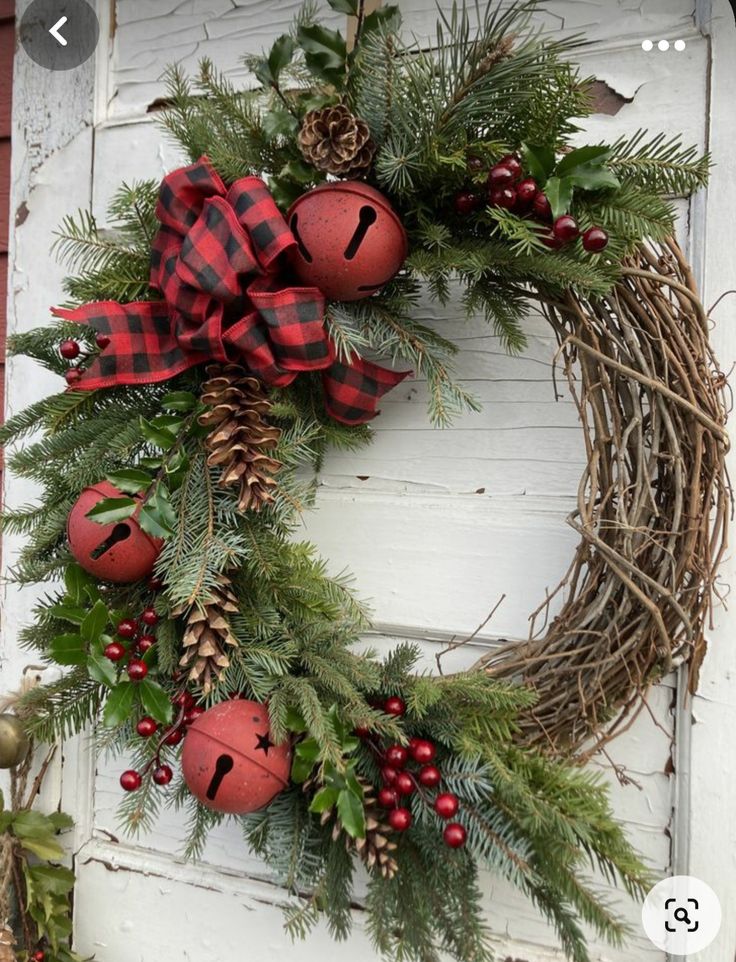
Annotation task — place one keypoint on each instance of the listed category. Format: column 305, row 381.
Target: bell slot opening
column 366, row 218
column 223, row 765
column 121, row 532
column 299, row 242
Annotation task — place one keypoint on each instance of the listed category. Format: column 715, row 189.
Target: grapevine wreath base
column 218, row 341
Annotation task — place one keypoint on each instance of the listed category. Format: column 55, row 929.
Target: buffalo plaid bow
column 216, row 259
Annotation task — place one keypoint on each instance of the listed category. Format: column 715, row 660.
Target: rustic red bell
column 230, row 763
column 120, row 552
column 350, row 241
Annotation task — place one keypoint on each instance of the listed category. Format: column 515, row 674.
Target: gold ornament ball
column 14, row 742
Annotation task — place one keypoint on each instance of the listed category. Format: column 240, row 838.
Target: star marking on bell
column 264, row 743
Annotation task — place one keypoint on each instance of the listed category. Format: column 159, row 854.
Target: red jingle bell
column 350, row 241
column 121, row 552
column 230, row 763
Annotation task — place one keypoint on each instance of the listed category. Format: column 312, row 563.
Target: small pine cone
column 207, row 636
column 336, row 141
column 7, row 944
column 240, row 437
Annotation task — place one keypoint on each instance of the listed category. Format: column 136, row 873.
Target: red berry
column 549, row 240
column 149, row 617
column 595, row 239
column 404, row 783
column 395, row 706
column 137, row 669
column 422, row 751
column 430, row 776
column 503, row 197
column 514, row 164
column 130, row 780
column 362, row 731
column 73, row 375
column 102, row 341
column 388, row 774
column 397, row 756
column 162, row 775
column 146, row 727
column 388, row 797
column 184, row 700
column 446, row 805
column 566, row 229
column 155, row 583
column 193, row 714
column 145, row 642
column 38, row 956
column 526, row 191
column 455, row 835
column 115, row 651
column 475, row 164
column 127, row 628
column 174, row 737
column 69, row 350
column 501, row 175
column 466, row 202
column 399, row 819
column 542, row 207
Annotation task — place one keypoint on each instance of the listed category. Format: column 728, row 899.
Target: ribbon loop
column 216, row 261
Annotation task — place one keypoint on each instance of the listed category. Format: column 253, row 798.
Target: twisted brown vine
column 653, row 505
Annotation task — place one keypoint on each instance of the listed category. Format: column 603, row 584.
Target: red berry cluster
column 508, row 188
column 400, row 780
column 187, row 712
column 71, row 350
column 137, row 632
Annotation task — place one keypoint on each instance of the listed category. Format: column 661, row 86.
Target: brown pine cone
column 7, row 944
column 208, row 635
column 240, row 437
column 336, row 141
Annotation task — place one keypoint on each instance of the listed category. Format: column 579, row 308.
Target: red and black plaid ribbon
column 217, row 261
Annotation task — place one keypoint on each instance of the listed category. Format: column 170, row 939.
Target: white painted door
column 435, row 525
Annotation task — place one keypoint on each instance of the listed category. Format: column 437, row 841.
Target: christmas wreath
column 220, row 336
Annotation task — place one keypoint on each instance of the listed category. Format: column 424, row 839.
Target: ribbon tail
column 141, row 349
column 353, row 391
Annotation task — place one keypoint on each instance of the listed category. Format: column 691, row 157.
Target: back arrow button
column 54, row 31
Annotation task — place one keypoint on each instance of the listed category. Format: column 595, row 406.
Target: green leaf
column 68, row 650
column 179, row 401
column 308, row 750
column 47, row 849
column 29, row 824
column 112, row 510
column 157, row 516
column 159, row 437
column 102, row 669
column 119, row 704
column 130, row 480
column 6, row 820
column 52, row 878
column 74, row 616
column 583, row 155
column 325, row 799
column 297, row 170
column 94, row 623
column 280, row 55
column 61, row 821
column 350, row 7
column 155, row 700
column 352, row 814
column 76, row 580
column 539, row 162
column 278, row 122
column 559, row 193
column 593, row 177
column 294, row 721
column 325, row 52
column 300, row 770
column 389, row 17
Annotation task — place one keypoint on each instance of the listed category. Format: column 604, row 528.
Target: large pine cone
column 336, row 141
column 240, row 439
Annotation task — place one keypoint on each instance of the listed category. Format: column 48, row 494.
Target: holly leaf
column 101, row 669
column 119, row 704
column 155, row 700
column 179, row 401
column 130, row 480
column 593, row 177
column 538, row 161
column 281, row 54
column 61, row 821
column 582, row 155
column 352, row 814
column 112, row 510
column 389, row 16
column 157, row 516
column 279, row 123
column 294, row 721
column 158, row 436
column 325, row 52
column 94, row 623
column 47, row 849
column 68, row 613
column 559, row 194
column 325, row 799
column 54, row 879
column 350, row 7
column 76, row 580
column 68, row 650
